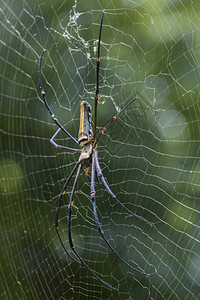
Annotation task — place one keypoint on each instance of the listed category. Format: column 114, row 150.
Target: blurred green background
column 150, row 156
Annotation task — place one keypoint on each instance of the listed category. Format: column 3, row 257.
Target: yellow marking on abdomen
column 82, row 116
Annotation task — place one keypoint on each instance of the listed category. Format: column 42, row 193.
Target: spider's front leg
column 63, row 192
column 92, row 195
column 100, row 175
column 70, row 206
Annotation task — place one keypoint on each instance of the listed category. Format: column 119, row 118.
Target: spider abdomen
column 85, row 129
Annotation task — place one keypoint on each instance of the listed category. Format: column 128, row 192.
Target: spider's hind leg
column 60, row 146
column 43, row 94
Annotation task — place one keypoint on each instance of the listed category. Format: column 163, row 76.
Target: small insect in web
column 87, row 140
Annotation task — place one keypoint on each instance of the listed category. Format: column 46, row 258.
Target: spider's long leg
column 97, row 77
column 60, row 146
column 47, row 105
column 98, row 223
column 71, row 202
column 113, row 119
column 100, row 175
column 58, row 209
column 87, row 175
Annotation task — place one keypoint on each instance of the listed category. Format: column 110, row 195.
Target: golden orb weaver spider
column 87, row 140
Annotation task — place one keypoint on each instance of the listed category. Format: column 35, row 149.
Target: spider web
column 149, row 157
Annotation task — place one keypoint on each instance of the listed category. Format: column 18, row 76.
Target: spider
column 88, row 141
